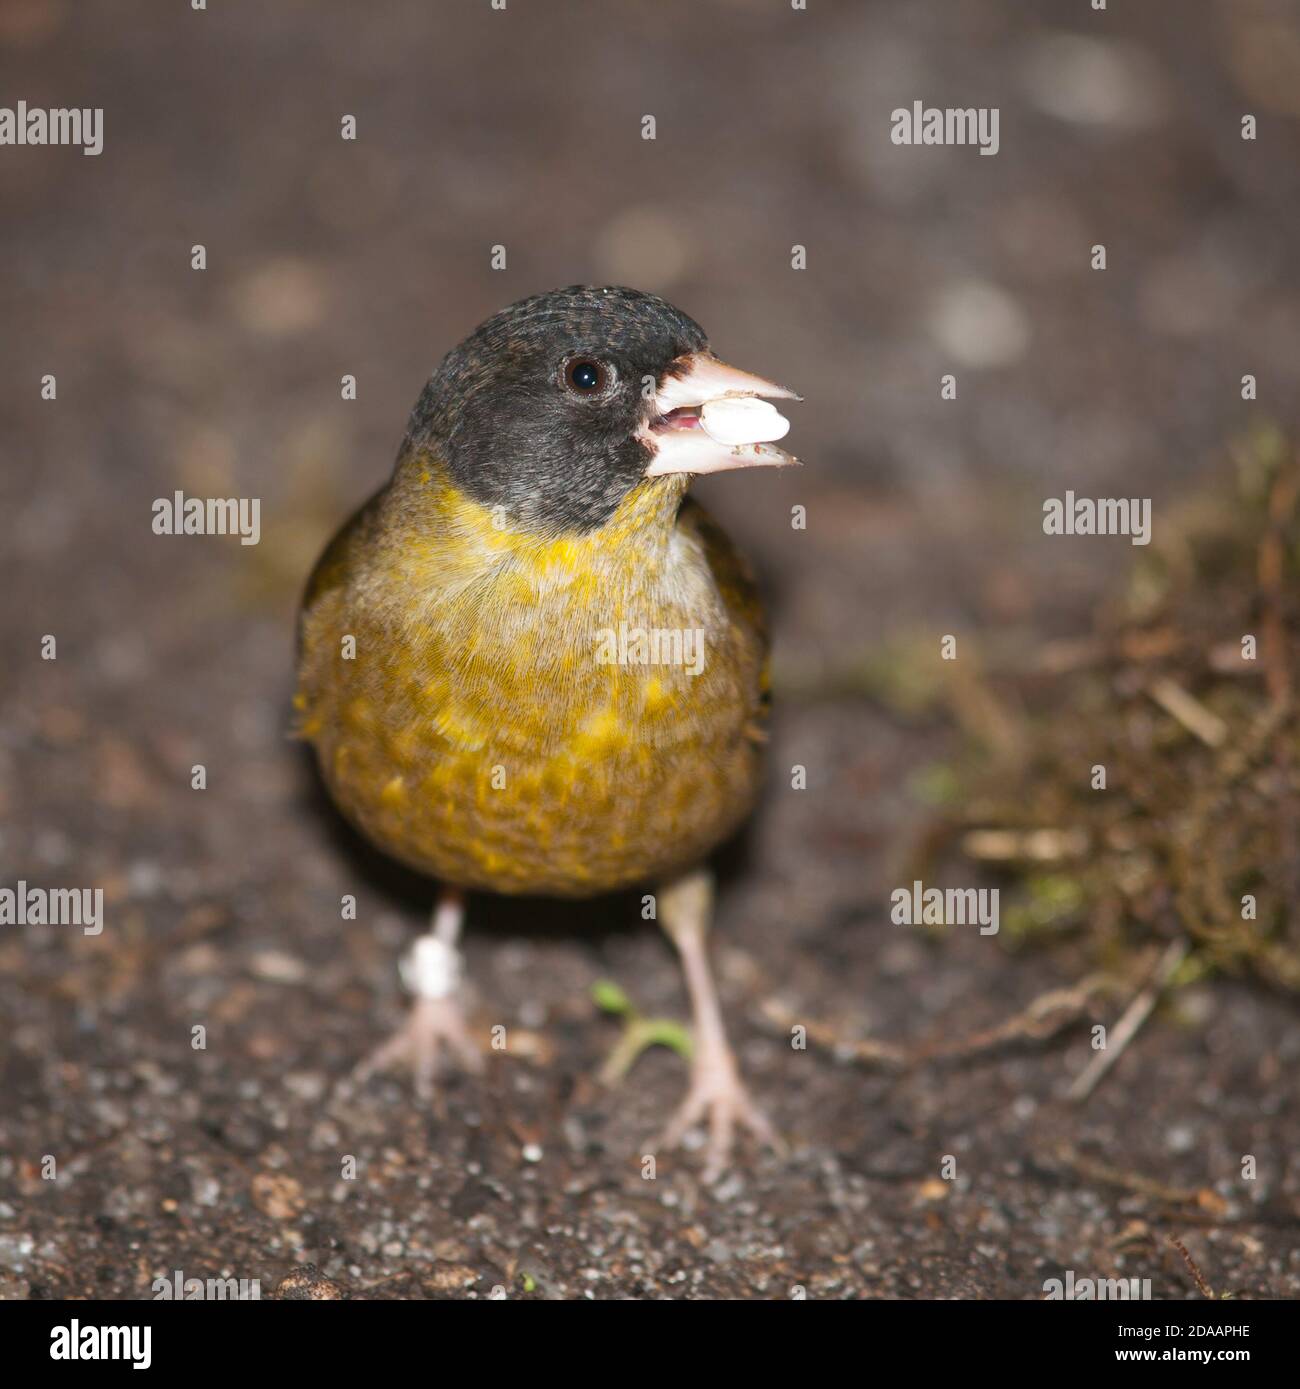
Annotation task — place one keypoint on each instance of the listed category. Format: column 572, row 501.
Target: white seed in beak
column 742, row 420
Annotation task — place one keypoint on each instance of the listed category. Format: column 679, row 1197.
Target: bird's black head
column 542, row 409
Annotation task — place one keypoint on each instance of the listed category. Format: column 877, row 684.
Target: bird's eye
column 585, row 377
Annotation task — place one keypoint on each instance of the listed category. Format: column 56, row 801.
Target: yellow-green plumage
column 478, row 736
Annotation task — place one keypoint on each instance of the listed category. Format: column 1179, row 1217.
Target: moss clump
column 1184, row 694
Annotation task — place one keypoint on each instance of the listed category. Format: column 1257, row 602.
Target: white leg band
column 431, row 968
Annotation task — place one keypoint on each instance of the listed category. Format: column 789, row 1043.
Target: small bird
column 532, row 664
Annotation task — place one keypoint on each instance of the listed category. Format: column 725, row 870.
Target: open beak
column 710, row 418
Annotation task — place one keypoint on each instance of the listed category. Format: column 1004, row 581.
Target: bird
column 532, row 664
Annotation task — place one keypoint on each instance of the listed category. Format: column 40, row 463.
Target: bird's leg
column 431, row 971
column 716, row 1091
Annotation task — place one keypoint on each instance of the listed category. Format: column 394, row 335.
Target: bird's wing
column 332, row 568
column 329, row 577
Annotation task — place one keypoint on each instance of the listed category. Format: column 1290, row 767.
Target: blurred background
column 522, row 128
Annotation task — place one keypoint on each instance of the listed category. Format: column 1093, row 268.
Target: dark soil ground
column 478, row 128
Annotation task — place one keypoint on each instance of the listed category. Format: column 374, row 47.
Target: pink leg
column 717, row 1093
column 436, row 1024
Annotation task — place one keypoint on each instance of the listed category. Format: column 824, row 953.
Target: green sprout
column 639, row 1033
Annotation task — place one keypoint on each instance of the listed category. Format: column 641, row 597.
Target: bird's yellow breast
column 523, row 714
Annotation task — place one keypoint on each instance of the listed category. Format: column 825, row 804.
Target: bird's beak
column 708, row 417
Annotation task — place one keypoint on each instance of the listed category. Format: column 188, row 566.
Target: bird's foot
column 434, row 1029
column 718, row 1095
